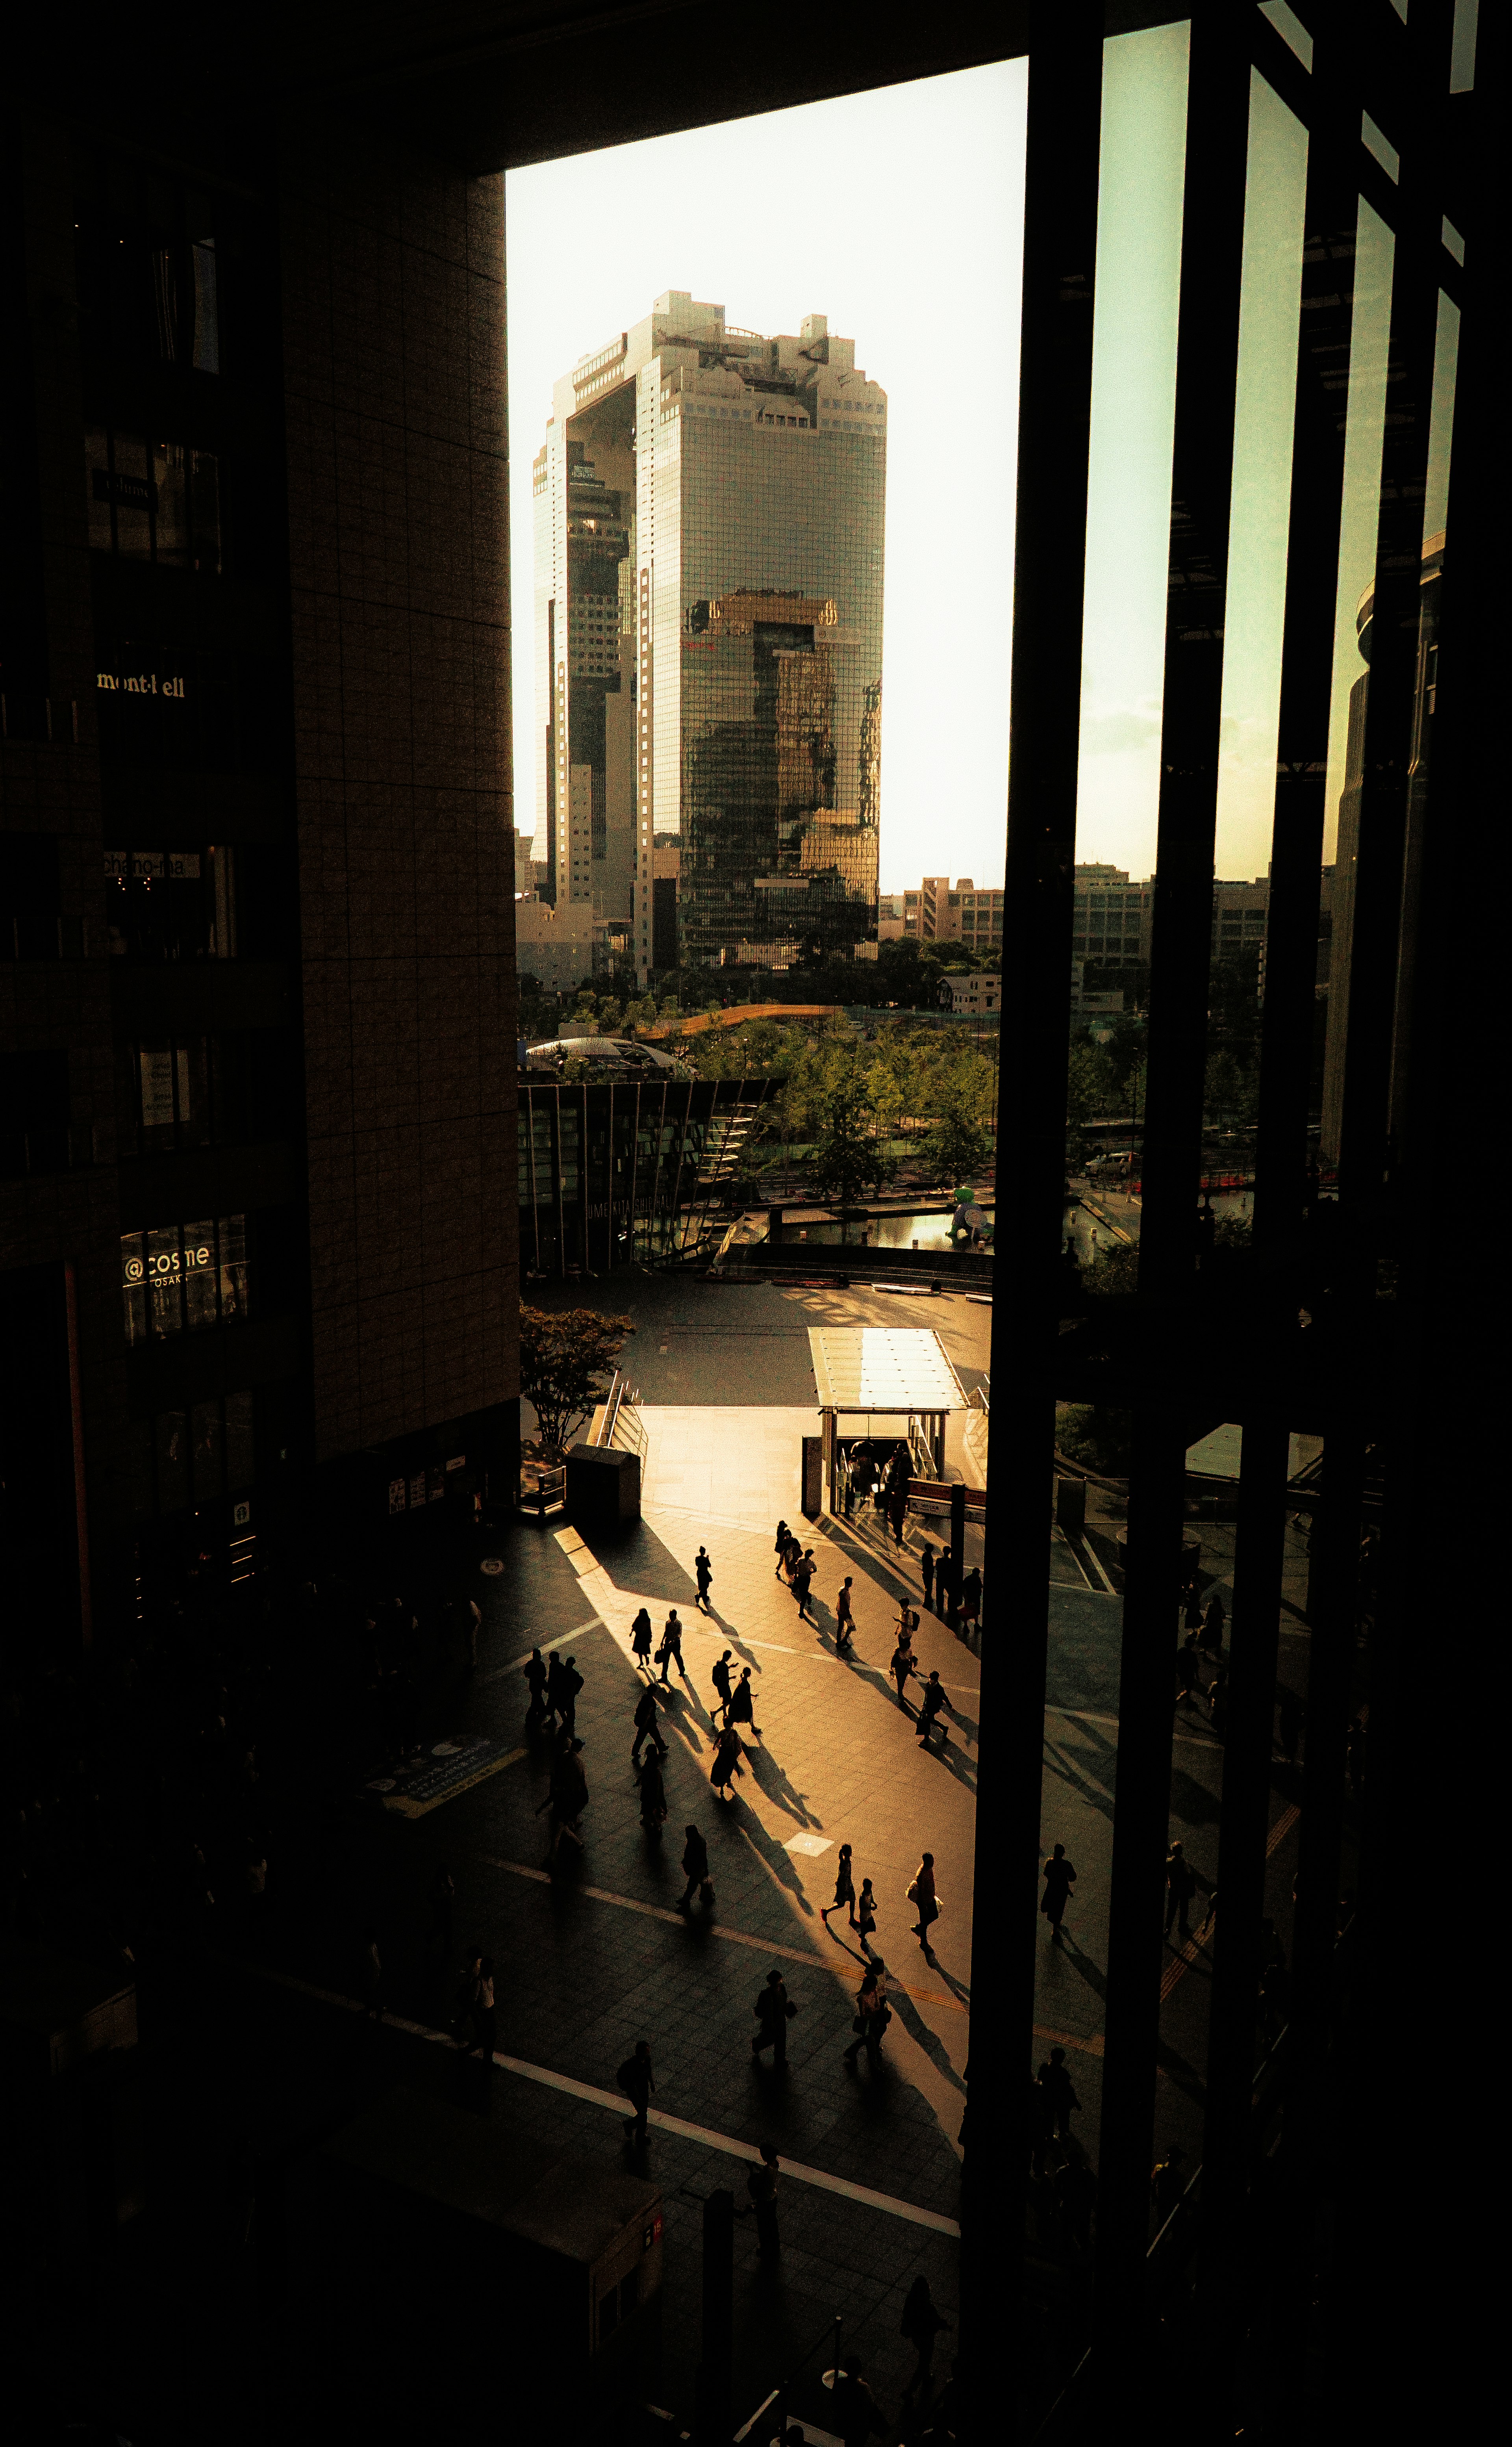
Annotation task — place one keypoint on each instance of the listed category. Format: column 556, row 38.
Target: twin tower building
column 709, row 538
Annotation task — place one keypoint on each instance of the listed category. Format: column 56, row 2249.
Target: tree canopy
column 565, row 1354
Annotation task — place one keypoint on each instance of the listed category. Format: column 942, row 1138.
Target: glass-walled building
column 709, row 539
column 621, row 1173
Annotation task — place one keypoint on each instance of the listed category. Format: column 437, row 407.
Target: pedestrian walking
column 866, row 1911
column 1058, row 2099
column 720, row 1677
column 898, row 1509
column 924, row 1895
column 567, row 1798
column 1059, row 1879
column 485, row 2017
column 702, row 1573
column 920, row 2323
column 536, row 1685
column 556, row 1665
column 640, row 1640
column 695, row 1869
column 855, row 2411
column 901, row 1664
column 439, row 1938
column 1210, row 1639
column 971, row 1601
column 780, row 1549
column 571, row 1683
column 926, row 1571
column 1292, row 1717
column 637, row 2082
column 464, row 2004
column 774, row 2009
column 1181, row 1885
column 370, row 1968
column 844, row 1888
column 872, row 2016
column 647, row 1728
column 652, row 1799
column 762, row 2185
column 726, row 1762
column 929, row 1710
column 741, row 1709
column 1168, row 2183
column 845, row 1616
column 802, row 1582
column 1188, row 1669
column 1192, row 1605
column 671, row 1646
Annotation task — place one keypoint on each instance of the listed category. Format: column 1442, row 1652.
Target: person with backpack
column 929, row 1710
column 696, row 1869
column 637, row 2082
column 720, row 1677
column 924, row 1897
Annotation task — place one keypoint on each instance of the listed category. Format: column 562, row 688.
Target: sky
column 903, row 223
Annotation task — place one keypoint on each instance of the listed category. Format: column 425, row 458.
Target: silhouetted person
column 924, row 1896
column 720, row 1677
column 702, row 1573
column 637, row 2082
column 845, row 1616
column 1059, row 1879
column 920, row 2323
column 856, row 2411
column 1058, row 2099
column 647, row 1728
column 932, row 1701
column 741, row 1710
column 640, row 1637
column 762, row 2185
column 695, row 1868
column 844, row 1888
column 926, row 1571
column 1181, row 1885
column 672, row 1645
column 1168, row 2183
column 571, row 1683
column 652, row 1799
column 536, row 1685
column 774, row 2010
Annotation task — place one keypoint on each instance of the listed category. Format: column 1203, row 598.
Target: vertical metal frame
column 1054, row 415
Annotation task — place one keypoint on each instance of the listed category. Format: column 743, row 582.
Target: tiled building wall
column 395, row 389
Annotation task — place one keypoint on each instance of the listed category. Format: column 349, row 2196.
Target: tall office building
column 709, row 539
column 256, row 951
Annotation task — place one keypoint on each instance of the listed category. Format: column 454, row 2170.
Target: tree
column 564, row 1355
column 845, row 1158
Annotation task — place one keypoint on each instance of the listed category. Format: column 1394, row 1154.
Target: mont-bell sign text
column 140, row 683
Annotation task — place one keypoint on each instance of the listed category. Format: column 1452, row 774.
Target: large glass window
column 189, row 1459
column 172, row 904
column 178, row 1278
column 153, row 500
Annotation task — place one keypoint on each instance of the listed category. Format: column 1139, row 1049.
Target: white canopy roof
column 883, row 1368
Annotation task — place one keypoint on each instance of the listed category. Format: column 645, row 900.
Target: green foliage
column 565, row 1356
column 1099, row 1438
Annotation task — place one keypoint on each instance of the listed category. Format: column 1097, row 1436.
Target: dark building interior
column 259, row 1259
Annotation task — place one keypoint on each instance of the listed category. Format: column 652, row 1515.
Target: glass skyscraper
column 708, row 636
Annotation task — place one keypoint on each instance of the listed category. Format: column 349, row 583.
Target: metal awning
column 883, row 1368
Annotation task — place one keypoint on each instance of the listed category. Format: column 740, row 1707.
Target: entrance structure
column 886, row 1383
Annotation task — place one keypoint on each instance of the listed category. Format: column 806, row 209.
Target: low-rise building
column 980, row 991
column 558, row 947
column 940, row 912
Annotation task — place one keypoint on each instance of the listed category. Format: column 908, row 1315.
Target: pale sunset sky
column 898, row 214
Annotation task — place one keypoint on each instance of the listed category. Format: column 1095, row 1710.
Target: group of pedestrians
column 797, row 1566
column 953, row 1594
column 554, row 1683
